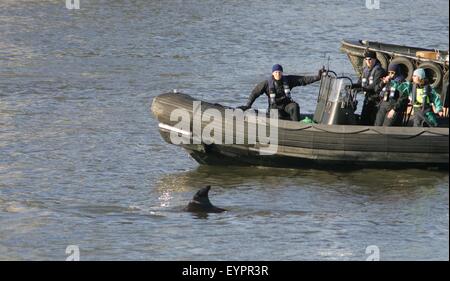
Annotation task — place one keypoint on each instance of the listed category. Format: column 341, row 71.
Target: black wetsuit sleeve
column 382, row 84
column 297, row 80
column 260, row 89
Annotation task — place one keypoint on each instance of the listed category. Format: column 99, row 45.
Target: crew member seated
column 394, row 98
column 278, row 90
column 426, row 102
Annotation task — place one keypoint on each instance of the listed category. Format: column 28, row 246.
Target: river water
column 82, row 162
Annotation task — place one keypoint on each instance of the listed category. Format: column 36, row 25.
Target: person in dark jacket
column 394, row 98
column 370, row 84
column 278, row 90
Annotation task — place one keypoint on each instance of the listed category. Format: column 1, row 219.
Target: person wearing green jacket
column 423, row 97
column 394, row 98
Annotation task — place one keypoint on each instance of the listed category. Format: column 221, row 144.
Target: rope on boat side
column 368, row 129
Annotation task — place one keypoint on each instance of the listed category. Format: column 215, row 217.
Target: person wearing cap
column 424, row 99
column 278, row 91
column 370, row 84
column 394, row 98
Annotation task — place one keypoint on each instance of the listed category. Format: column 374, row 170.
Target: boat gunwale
column 344, row 150
column 288, row 125
column 360, row 45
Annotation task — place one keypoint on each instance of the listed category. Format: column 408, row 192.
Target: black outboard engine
column 336, row 103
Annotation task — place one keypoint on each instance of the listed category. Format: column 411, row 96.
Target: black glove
column 244, row 107
column 321, row 71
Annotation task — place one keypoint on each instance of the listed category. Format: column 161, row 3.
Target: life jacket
column 389, row 92
column 282, row 96
column 421, row 97
column 367, row 77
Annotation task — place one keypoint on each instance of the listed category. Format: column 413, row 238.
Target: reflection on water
column 371, row 180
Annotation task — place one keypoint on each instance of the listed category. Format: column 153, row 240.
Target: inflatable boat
column 330, row 139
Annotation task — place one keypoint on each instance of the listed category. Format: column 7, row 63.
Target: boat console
column 336, row 103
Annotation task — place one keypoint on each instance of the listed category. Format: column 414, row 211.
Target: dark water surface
column 82, row 162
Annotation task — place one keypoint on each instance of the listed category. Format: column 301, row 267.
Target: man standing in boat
column 370, row 83
column 278, row 90
column 394, row 98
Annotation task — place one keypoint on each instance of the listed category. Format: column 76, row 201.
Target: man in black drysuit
column 394, row 101
column 278, row 90
column 370, row 83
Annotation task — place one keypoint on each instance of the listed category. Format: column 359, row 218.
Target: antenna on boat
column 328, row 64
